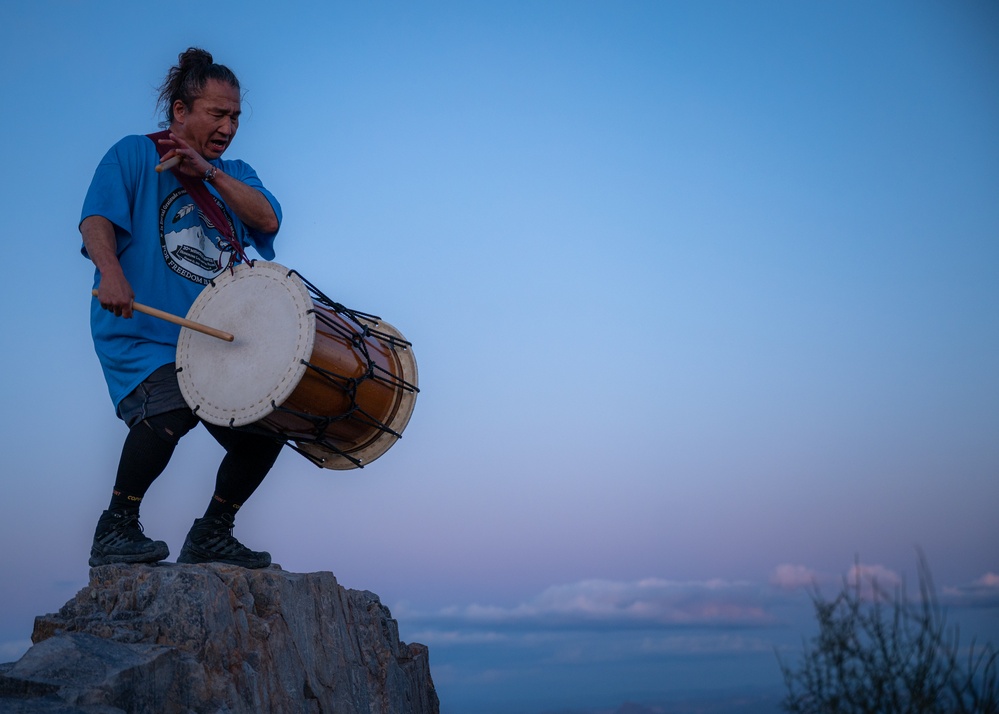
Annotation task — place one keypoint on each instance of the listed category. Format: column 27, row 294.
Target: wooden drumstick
column 168, row 164
column 182, row 321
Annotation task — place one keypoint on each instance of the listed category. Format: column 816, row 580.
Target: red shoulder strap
column 203, row 198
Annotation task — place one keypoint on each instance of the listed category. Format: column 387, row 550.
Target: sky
column 704, row 298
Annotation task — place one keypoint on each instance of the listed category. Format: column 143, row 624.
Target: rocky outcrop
column 217, row 638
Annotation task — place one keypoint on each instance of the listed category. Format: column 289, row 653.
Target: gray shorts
column 158, row 394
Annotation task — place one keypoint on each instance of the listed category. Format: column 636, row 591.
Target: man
column 158, row 237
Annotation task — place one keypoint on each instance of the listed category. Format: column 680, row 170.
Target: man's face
column 210, row 123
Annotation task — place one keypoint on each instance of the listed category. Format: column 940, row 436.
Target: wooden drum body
column 338, row 383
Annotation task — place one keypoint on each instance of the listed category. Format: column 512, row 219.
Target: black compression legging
column 150, row 444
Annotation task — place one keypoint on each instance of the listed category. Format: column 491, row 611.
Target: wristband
column 210, row 174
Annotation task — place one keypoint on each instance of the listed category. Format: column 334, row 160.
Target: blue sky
column 704, row 296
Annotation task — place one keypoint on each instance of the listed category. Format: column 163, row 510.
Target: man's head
column 202, row 102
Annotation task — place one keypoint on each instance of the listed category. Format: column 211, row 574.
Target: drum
column 337, row 384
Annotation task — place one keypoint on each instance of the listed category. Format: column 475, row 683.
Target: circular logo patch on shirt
column 192, row 246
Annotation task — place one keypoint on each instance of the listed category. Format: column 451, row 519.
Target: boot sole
column 154, row 557
column 187, row 558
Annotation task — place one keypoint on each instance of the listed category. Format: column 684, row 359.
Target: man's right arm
column 114, row 291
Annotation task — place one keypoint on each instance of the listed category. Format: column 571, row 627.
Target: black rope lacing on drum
column 367, row 324
column 318, row 461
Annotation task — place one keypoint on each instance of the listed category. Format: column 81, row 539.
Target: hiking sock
column 124, row 503
column 219, row 506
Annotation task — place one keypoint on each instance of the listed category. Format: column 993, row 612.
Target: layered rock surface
column 217, row 638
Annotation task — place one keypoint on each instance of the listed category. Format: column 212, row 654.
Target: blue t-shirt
column 168, row 251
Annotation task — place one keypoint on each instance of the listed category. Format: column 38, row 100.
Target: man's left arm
column 249, row 204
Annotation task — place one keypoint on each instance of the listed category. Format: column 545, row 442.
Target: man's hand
column 115, row 295
column 191, row 162
column 114, row 292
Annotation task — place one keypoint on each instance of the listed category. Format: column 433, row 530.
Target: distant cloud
column 670, row 606
column 983, row 592
column 792, row 577
column 989, row 580
column 648, row 624
column 884, row 577
column 648, row 602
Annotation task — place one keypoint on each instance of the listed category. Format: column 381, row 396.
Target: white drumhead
column 268, row 311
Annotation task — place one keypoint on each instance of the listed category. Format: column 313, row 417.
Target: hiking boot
column 119, row 539
column 210, row 540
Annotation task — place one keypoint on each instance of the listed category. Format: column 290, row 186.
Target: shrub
column 880, row 653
